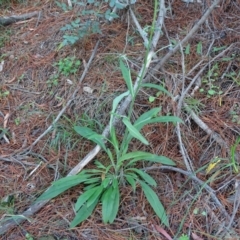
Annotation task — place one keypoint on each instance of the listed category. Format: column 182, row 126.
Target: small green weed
column 7, row 204
column 184, row 237
column 68, row 65
column 17, row 121
column 234, row 113
column 209, row 81
column 52, row 81
column 28, row 236
column 4, row 94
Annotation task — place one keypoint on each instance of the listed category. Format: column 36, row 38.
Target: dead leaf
column 195, row 237
column 163, row 232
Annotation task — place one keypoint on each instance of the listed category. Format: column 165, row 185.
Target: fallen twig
column 4, row 21
column 189, row 35
column 205, row 127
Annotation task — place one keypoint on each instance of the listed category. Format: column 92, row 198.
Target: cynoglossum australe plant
column 103, row 184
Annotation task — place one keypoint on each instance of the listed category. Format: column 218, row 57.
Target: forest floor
column 36, row 83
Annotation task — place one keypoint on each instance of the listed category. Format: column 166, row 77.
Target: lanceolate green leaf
column 127, row 77
column 110, row 204
column 146, row 177
column 151, row 117
column 131, row 181
column 83, row 214
column 84, row 197
column 158, row 159
column 91, row 135
column 95, row 196
column 99, row 165
column 158, row 87
column 115, row 205
column 166, row 119
column 114, row 140
column 145, row 117
column 145, row 156
column 62, row 185
column 139, row 155
column 155, row 202
column 92, row 180
column 134, row 132
column 116, row 101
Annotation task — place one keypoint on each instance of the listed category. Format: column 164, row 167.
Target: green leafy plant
column 79, row 29
column 28, row 236
column 67, row 66
column 52, row 81
column 7, row 204
column 209, row 81
column 103, row 184
column 4, row 93
column 17, row 121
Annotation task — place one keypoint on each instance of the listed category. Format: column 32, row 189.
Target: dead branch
column 4, row 21
column 189, row 35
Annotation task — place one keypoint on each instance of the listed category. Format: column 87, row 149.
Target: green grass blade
column 155, row 203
